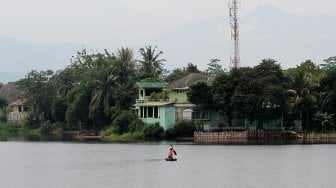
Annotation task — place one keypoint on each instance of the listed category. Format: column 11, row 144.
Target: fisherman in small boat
column 171, row 153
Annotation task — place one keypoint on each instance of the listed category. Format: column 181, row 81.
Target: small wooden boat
column 171, row 159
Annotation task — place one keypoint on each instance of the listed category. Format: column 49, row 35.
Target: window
column 187, row 114
column 145, row 112
column 141, row 112
column 150, row 112
column 197, row 115
column 156, row 112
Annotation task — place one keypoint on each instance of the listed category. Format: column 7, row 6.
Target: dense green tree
column 64, row 81
column 176, row 74
column 98, row 89
column 200, row 94
column 305, row 80
column 330, row 64
column 275, row 86
column 223, row 88
column 106, row 81
column 59, row 107
column 77, row 112
column 192, row 68
column 327, row 100
column 39, row 93
column 214, row 68
column 125, row 96
column 104, row 85
column 179, row 73
column 247, row 97
column 260, row 92
column 95, row 83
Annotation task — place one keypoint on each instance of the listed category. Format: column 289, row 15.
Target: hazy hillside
column 17, row 57
column 265, row 32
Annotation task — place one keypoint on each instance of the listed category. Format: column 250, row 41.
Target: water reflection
column 69, row 164
column 268, row 142
column 17, row 136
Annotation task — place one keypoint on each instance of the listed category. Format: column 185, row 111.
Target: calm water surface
column 62, row 164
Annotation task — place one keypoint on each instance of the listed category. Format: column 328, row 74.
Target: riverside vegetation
column 96, row 92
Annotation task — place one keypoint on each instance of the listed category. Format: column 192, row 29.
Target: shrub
column 181, row 129
column 161, row 95
column 59, row 107
column 110, row 135
column 47, row 127
column 2, row 116
column 153, row 131
column 126, row 122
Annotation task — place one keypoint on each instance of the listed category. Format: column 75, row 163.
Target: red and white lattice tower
column 233, row 10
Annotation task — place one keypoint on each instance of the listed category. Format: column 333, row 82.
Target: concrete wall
column 167, row 117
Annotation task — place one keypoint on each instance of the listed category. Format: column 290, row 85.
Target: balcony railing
column 154, row 100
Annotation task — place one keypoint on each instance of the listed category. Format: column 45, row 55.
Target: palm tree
column 150, row 65
column 125, row 64
column 303, row 96
column 104, row 83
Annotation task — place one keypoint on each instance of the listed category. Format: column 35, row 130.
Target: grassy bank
column 110, row 136
column 11, row 131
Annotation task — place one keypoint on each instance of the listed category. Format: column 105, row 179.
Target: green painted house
column 212, row 119
column 169, row 110
column 154, row 111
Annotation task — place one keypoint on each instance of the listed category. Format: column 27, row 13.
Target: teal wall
column 171, row 113
column 166, row 117
column 151, row 120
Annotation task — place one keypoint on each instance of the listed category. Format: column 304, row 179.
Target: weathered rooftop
column 10, row 92
column 188, row 80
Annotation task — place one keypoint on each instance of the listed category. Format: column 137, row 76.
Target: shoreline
column 264, row 137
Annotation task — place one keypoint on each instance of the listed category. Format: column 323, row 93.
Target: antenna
column 233, row 13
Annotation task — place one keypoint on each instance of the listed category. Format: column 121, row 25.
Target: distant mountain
column 17, row 57
column 266, row 32
column 6, row 77
column 197, row 43
column 289, row 38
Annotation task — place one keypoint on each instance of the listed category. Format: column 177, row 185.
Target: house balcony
column 153, row 102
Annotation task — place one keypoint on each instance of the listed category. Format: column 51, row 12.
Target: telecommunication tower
column 233, row 11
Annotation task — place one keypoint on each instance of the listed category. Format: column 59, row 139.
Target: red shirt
column 171, row 153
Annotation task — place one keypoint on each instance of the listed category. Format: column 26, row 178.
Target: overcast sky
column 99, row 23
column 94, row 21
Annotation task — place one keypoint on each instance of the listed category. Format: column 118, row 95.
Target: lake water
column 67, row 164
